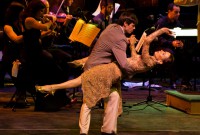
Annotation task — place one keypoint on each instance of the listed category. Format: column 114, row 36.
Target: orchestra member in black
column 180, row 66
column 13, row 42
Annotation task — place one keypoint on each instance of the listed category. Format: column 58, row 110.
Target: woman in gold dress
column 103, row 77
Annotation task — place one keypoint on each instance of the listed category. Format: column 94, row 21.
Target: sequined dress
column 97, row 82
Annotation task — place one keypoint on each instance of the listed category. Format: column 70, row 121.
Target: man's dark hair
column 127, row 17
column 105, row 2
column 171, row 6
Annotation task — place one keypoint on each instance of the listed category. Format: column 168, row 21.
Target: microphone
column 159, row 16
column 150, row 30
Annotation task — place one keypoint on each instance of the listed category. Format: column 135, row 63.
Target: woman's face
column 40, row 13
column 162, row 55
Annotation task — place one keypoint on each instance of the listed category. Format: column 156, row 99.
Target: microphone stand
column 149, row 100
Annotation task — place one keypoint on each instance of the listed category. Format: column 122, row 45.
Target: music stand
column 13, row 101
column 149, row 100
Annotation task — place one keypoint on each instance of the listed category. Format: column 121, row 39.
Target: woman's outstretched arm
column 132, row 41
column 145, row 49
column 157, row 33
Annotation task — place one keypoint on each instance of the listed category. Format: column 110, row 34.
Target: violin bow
column 60, row 7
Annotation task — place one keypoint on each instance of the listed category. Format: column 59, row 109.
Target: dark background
column 142, row 8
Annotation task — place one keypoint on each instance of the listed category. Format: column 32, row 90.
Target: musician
column 43, row 69
column 171, row 20
column 38, row 68
column 60, row 56
column 103, row 18
column 13, row 41
column 192, row 3
column 60, row 8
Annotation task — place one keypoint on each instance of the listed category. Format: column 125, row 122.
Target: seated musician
column 180, row 68
column 60, row 56
column 65, row 19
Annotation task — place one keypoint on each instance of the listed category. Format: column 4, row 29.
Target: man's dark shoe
column 185, row 85
column 173, row 86
column 103, row 133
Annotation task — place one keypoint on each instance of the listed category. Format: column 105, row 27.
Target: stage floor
column 146, row 119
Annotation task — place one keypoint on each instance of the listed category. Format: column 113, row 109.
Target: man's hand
column 177, row 43
column 132, row 40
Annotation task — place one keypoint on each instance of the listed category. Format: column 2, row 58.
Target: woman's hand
column 68, row 19
column 167, row 31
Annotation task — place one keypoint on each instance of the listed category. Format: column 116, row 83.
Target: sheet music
column 77, row 28
column 141, row 41
column 84, row 33
column 88, row 34
column 184, row 32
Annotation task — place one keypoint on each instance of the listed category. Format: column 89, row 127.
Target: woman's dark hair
column 171, row 58
column 13, row 12
column 127, row 17
column 32, row 8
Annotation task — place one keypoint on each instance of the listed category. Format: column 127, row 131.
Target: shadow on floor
column 143, row 119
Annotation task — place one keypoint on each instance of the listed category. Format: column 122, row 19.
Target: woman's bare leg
column 78, row 63
column 65, row 85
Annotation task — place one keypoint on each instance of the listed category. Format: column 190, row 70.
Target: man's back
column 111, row 40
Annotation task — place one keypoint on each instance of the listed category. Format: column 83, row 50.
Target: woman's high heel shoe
column 76, row 63
column 52, row 92
column 41, row 90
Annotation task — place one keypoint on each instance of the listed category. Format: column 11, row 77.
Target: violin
column 49, row 17
column 60, row 18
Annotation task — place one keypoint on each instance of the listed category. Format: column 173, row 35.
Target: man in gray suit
column 111, row 46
